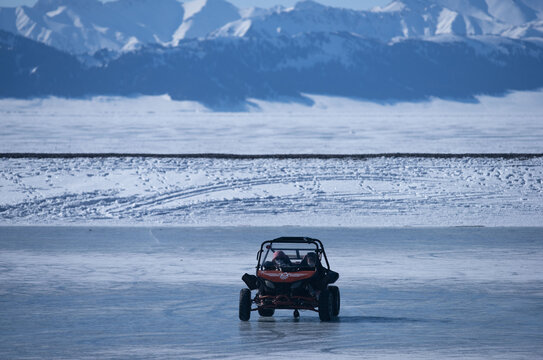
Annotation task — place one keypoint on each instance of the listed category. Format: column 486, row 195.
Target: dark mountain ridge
column 227, row 72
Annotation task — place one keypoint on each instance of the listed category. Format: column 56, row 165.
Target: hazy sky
column 355, row 4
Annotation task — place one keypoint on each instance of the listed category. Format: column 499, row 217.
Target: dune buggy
column 290, row 275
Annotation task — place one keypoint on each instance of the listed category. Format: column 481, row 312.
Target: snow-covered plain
column 513, row 123
column 380, row 191
column 172, row 293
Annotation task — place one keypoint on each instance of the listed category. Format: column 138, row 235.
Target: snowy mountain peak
column 309, row 5
column 514, row 12
column 193, row 7
column 256, row 11
column 211, row 8
column 203, row 17
column 72, row 4
column 511, row 11
column 394, row 6
column 405, row 5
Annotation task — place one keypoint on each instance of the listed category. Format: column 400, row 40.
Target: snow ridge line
column 271, row 156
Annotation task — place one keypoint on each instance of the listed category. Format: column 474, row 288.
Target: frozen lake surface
column 513, row 123
column 170, row 293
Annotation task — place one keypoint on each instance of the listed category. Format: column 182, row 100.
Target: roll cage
column 298, row 247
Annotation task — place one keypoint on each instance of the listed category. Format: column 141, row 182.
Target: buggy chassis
column 295, row 286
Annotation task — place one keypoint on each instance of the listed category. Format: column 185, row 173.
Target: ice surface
column 331, row 125
column 172, row 293
column 381, row 191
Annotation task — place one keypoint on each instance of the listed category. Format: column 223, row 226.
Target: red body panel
column 284, row 277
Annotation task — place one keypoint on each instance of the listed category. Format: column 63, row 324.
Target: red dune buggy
column 290, row 275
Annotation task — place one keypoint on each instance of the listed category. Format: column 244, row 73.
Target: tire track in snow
column 261, row 191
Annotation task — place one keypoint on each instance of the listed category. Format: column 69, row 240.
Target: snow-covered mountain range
column 212, row 52
column 86, row 26
column 400, row 19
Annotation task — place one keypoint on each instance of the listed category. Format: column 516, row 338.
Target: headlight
column 269, row 284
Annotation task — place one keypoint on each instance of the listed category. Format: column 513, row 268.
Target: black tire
column 325, row 305
column 336, row 302
column 266, row 312
column 245, row 304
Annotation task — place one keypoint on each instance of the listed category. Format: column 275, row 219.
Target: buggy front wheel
column 245, row 304
column 335, row 299
column 326, row 302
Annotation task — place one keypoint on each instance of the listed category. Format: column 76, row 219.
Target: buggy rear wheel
column 326, row 302
column 245, row 304
column 335, row 299
column 266, row 312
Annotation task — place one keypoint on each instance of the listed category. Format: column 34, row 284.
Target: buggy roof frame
column 319, row 247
